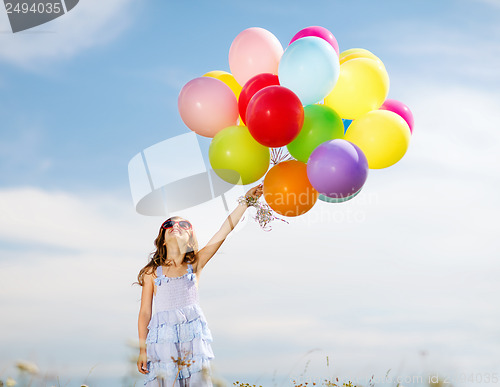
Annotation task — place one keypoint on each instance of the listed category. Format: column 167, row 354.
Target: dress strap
column 190, row 268
column 159, row 272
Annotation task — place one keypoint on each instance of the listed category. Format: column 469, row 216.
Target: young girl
column 175, row 345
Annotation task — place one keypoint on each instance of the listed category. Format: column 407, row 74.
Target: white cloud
column 345, row 289
column 92, row 222
column 492, row 3
column 68, row 263
column 30, row 138
column 467, row 53
column 91, row 23
column 455, row 131
column 355, row 289
column 32, row 216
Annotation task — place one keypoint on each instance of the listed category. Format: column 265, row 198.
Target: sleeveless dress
column 178, row 329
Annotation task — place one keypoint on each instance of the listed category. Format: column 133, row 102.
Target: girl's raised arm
column 229, row 224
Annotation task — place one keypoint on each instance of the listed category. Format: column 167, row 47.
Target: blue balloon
column 310, row 68
column 339, row 199
column 346, row 124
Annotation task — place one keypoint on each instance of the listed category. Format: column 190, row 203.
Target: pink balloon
column 207, row 105
column 319, row 32
column 254, row 51
column 401, row 109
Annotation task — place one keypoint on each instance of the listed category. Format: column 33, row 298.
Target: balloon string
column 279, row 154
column 265, row 214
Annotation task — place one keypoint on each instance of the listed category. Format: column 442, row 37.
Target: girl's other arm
column 229, row 224
column 144, row 318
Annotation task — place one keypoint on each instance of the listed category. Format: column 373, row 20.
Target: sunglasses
column 184, row 224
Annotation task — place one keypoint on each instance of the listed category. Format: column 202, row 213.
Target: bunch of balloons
column 329, row 109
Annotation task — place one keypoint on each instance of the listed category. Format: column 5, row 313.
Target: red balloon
column 275, row 116
column 252, row 86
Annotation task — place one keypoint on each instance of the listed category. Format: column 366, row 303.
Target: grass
column 326, row 382
column 29, row 375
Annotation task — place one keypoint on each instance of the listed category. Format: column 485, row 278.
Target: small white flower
column 10, row 382
column 28, row 367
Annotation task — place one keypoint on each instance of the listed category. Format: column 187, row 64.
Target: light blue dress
column 178, row 329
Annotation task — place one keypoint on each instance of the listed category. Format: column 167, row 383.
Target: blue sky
column 409, row 265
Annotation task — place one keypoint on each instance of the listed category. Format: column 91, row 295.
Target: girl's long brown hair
column 159, row 256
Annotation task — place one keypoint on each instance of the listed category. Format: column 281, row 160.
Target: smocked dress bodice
column 175, row 292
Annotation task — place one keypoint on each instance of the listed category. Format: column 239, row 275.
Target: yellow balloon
column 361, row 54
column 362, row 86
column 382, row 135
column 350, row 51
column 228, row 79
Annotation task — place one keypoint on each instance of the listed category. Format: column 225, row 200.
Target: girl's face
column 177, row 228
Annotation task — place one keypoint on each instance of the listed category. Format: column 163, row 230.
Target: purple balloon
column 337, row 168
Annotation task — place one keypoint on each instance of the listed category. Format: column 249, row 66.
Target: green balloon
column 237, row 157
column 321, row 124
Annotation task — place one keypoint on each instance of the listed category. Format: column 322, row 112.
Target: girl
column 175, row 345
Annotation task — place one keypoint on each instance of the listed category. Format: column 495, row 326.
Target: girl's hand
column 255, row 192
column 142, row 363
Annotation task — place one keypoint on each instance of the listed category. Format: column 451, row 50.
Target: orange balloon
column 287, row 189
